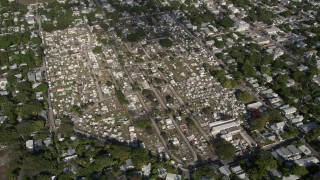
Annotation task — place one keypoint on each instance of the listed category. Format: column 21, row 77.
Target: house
column 61, row 137
column 225, row 127
column 3, row 119
column 308, row 127
column 234, row 10
column 284, row 153
column 302, row 67
column 31, row 76
column 306, row 162
column 47, row 141
column 297, row 119
column 3, row 83
column 290, row 177
column 278, row 127
column 30, row 19
column 289, row 110
column 316, row 79
column 129, row 164
column 306, row 151
column 173, row 176
column 225, row 170
column 275, row 174
column 210, row 43
column 146, row 170
column 43, row 114
column 255, row 105
column 242, row 26
column 239, row 172
column 295, row 151
column 272, row 30
column 29, row 145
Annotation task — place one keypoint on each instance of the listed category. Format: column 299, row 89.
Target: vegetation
column 226, row 82
column 144, row 124
column 226, row 22
column 121, row 97
column 258, row 124
column 137, row 36
column 165, row 43
column 97, row 49
column 260, row 14
column 204, row 172
column 244, row 96
column 261, row 163
column 224, row 150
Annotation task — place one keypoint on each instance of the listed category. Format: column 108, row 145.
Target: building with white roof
column 29, row 145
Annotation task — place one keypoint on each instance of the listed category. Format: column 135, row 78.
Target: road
column 44, row 67
column 98, row 88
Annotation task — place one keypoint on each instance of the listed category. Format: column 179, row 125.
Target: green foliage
column 97, row 50
column 169, row 99
column 165, row 43
column 174, row 5
column 8, row 135
column 204, row 171
column 258, row 124
column 137, row 36
column 313, row 135
column 244, row 96
column 43, row 87
column 260, row 14
column 140, row 157
column 28, row 127
column 248, row 70
column 262, row 162
column 221, row 76
column 224, row 150
column 296, row 170
column 241, row 3
column 30, row 109
column 144, row 124
column 121, row 97
column 226, row 22
column 290, row 132
column 48, row 26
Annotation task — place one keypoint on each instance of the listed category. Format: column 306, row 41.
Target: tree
column 140, row 157
column 97, row 50
column 169, row 99
column 165, row 43
column 261, row 163
column 28, row 127
column 204, row 171
column 248, row 70
column 144, row 124
column 297, row 170
column 224, row 149
column 258, row 124
column 48, row 27
column 226, row 22
column 121, row 97
column 313, row 135
column 41, row 88
column 244, row 96
column 30, row 109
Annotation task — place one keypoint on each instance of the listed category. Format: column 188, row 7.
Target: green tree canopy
column 224, row 149
column 165, row 42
